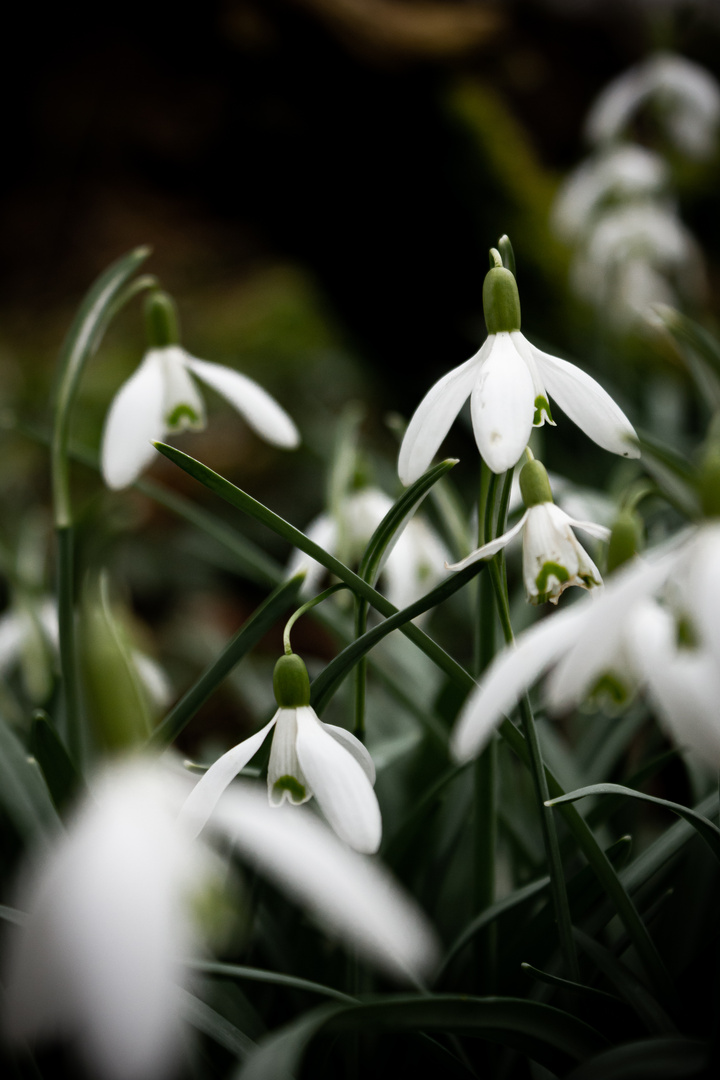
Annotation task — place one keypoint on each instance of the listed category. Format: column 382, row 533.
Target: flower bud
column 161, row 320
column 534, row 484
column 501, row 301
column 291, row 683
column 625, row 539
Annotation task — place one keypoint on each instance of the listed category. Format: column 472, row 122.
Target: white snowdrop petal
column 201, row 801
column 286, row 779
column 340, row 784
column 508, row 677
column 258, row 408
column 135, row 419
column 353, row 745
column 492, row 547
column 502, row 404
column 352, row 897
column 588, row 405
column 434, row 415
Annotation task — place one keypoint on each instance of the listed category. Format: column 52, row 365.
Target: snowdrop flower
column 686, row 99
column 413, row 565
column 29, row 639
column 113, row 915
column 616, row 175
column 637, row 256
column 509, row 383
column 553, row 560
column 162, row 398
column 307, row 758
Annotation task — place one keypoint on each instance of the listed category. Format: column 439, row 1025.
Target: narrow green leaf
column 262, row 619
column 397, row 517
column 628, row 986
column 275, row 978
column 62, row 778
column 209, row 1022
column 548, row 1035
column 23, row 793
column 649, row 1059
column 709, row 832
column 601, row 997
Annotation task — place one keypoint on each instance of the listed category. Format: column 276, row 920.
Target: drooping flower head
column 510, row 383
column 307, row 758
column 161, row 398
column 553, row 559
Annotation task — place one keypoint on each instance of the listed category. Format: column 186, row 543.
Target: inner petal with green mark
column 292, row 786
column 183, row 416
column 609, row 687
column 542, row 405
column 551, row 569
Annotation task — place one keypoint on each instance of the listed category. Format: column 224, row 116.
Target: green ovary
column 295, row 789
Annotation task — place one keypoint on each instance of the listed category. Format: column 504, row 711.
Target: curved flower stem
column 550, row 838
column 287, row 648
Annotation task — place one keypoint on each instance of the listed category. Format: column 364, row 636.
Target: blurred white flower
column 307, row 758
column 615, row 175
column 510, row 382
column 29, row 639
column 655, row 625
column 636, row 256
column 553, row 559
column 685, row 99
column 413, row 565
column 113, row 915
column 161, row 398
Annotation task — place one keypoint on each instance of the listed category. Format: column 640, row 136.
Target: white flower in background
column 614, row 176
column 114, row 915
column 553, row 559
column 637, row 256
column 29, row 640
column 684, row 97
column 413, row 564
column 307, row 758
column 509, row 383
column 161, row 398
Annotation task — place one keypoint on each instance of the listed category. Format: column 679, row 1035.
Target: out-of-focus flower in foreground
column 114, row 913
column 161, row 398
column 654, row 625
column 307, row 758
column 509, row 383
column 553, row 559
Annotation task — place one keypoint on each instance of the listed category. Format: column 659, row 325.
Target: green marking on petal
column 183, row 416
column 551, row 569
column 610, row 687
column 589, row 581
column 686, row 636
column 542, row 405
column 292, row 786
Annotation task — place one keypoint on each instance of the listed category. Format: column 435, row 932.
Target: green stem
column 307, row 606
column 67, row 642
column 549, row 832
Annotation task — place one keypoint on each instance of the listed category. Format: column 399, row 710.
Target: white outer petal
column 508, row 677
column 201, row 801
column 601, row 633
column 353, row 745
column 433, row 417
column 339, row 783
column 683, row 683
column 587, row 404
column 503, row 404
column 324, row 531
column 135, row 419
column 255, row 405
column 492, row 547
column 350, row 896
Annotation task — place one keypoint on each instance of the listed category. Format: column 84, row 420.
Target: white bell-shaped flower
column 161, row 398
column 510, row 383
column 553, row 559
column 307, row 758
